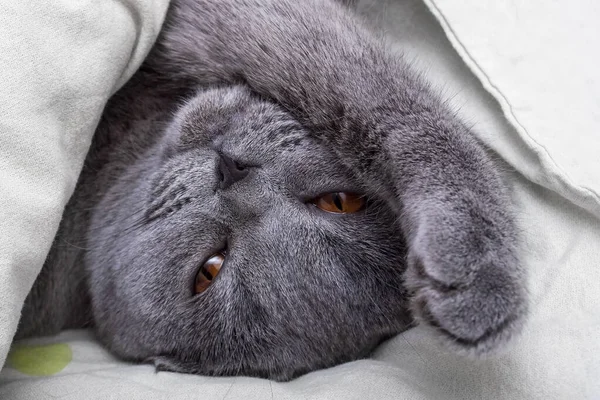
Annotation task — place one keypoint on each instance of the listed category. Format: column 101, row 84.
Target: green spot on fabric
column 40, row 360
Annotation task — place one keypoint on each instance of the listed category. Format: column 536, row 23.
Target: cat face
column 300, row 288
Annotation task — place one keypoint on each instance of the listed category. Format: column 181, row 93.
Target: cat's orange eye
column 209, row 271
column 340, row 202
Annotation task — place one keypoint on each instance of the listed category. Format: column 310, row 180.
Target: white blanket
column 59, row 63
column 523, row 73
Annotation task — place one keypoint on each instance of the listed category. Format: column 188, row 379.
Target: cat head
column 301, row 285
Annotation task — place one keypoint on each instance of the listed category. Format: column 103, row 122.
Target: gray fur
column 305, row 97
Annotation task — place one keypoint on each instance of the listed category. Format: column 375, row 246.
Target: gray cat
column 274, row 193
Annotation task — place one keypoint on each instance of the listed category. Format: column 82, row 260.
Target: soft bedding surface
column 522, row 73
column 59, row 63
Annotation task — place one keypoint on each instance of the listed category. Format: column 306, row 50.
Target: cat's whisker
column 425, row 364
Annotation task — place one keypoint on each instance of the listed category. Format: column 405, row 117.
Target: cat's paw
column 470, row 291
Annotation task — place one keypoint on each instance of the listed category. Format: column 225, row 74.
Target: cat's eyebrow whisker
column 134, row 224
column 137, row 222
column 229, row 390
column 417, row 352
column 73, row 245
column 377, row 210
column 83, row 241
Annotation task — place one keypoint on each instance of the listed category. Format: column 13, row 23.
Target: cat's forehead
column 244, row 125
column 235, row 114
column 265, row 127
column 258, row 133
column 266, row 135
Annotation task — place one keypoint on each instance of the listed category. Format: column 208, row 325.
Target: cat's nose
column 229, row 171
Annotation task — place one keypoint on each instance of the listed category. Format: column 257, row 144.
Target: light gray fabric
column 556, row 358
column 60, row 61
column 540, row 61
